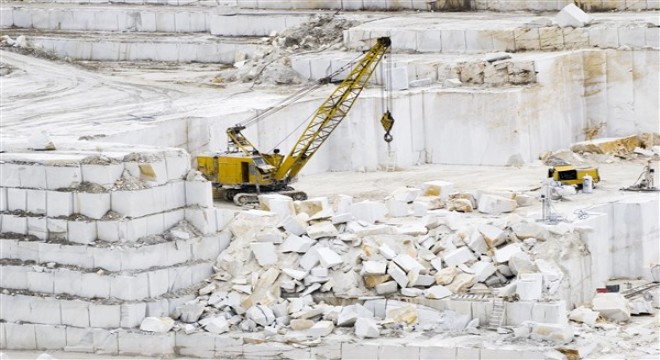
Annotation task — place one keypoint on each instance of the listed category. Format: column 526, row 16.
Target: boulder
column 557, row 333
column 584, row 315
column 405, row 194
column 482, row 270
column 438, row 188
column 612, row 306
column 297, row 244
column 322, row 229
column 462, row 282
column 190, row 313
column 301, row 324
column 320, row 329
column 493, row 204
column 157, row 324
column 261, row 315
column 458, row 256
column 373, row 268
column 437, row 292
column 217, row 325
column 406, row 313
column 366, row 328
column 572, row 16
column 265, row 253
column 525, row 230
column 505, row 253
column 446, row 275
column 460, row 205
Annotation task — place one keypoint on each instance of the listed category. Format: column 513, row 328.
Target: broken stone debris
column 366, row 255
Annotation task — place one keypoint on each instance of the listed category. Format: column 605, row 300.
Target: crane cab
column 236, row 170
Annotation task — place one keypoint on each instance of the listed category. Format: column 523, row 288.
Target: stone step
column 236, row 345
column 475, row 33
column 100, row 46
column 85, row 282
column 140, row 256
column 41, row 308
column 157, row 19
column 519, row 69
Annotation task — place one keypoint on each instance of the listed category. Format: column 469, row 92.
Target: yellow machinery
column 570, row 175
column 242, row 172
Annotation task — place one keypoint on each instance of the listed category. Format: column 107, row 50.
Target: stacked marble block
column 108, row 258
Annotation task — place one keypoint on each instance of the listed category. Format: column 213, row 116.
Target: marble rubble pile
column 289, row 261
column 102, row 235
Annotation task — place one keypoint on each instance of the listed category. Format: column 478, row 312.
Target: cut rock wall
column 102, row 235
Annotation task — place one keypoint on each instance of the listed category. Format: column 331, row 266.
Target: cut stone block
column 92, row 205
column 261, row 315
column 493, row 204
column 407, row 263
column 322, row 229
column 157, row 324
column 309, row 260
column 460, row 205
column 82, row 232
column 493, row 235
column 386, row 288
column 612, row 306
column 3, row 199
column 437, row 188
column 37, row 226
column 104, row 175
column 320, row 329
column 458, row 256
column 572, row 16
column 342, row 218
column 14, row 224
column 313, row 206
column 369, row 211
column 437, row 292
column 217, row 325
column 293, row 226
column 199, row 193
column 366, row 328
column 477, row 243
column 504, row 254
column 412, row 292
column 328, row 258
column 405, row 194
column 373, row 268
column 483, row 270
column 36, row 202
column 584, row 315
column 203, row 219
column 295, row 274
column 397, row 274
column 462, row 282
column 529, row 286
column 298, row 244
column 401, row 312
column 265, row 253
column 559, row 334
column 62, row 177
column 396, row 208
column 525, row 230
column 343, row 203
column 387, row 252
column 397, row 79
column 59, row 203
column 16, row 199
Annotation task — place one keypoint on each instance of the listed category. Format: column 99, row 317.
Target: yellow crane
column 243, row 171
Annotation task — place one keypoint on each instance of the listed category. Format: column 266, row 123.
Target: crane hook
column 387, row 121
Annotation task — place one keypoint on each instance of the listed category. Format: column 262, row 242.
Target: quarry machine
column 242, row 172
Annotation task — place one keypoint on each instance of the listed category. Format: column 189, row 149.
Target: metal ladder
column 390, row 166
column 497, row 315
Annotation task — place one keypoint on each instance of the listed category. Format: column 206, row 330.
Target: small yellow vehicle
column 571, row 175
